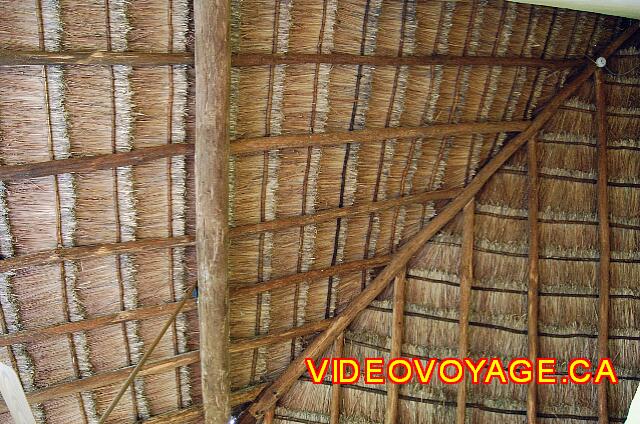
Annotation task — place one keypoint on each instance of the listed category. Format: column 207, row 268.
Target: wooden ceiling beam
column 145, row 59
column 533, row 290
column 336, row 389
column 466, row 281
column 397, row 330
column 92, row 251
column 279, row 387
column 106, row 378
column 604, row 238
column 107, row 249
column 142, row 313
column 162, row 365
column 249, row 146
column 260, row 59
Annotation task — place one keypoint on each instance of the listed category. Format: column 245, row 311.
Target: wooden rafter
column 399, row 260
column 131, row 58
column 106, row 378
column 397, row 329
column 43, row 333
column 165, row 364
column 333, row 213
column 261, row 144
column 336, row 389
column 466, row 280
column 149, row 312
column 100, row 250
column 604, row 235
column 249, row 146
column 533, row 290
column 92, row 251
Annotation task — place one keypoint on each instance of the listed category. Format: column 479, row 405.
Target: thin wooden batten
column 248, row 146
column 533, row 290
column 133, row 58
column 399, row 260
column 213, row 79
column 466, row 280
column 604, row 237
column 397, row 328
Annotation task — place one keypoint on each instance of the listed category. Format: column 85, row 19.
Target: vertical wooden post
column 533, row 292
column 213, row 68
column 605, row 251
column 336, row 388
column 397, row 329
column 466, row 279
column 269, row 416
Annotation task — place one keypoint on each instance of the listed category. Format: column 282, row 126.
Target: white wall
column 626, row 8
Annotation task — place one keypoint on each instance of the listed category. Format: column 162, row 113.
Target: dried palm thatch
column 96, row 257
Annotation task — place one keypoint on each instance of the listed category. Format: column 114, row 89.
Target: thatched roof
column 311, row 225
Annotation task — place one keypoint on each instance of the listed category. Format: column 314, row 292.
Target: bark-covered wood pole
column 397, row 330
column 604, row 235
column 533, row 291
column 213, row 79
column 466, row 281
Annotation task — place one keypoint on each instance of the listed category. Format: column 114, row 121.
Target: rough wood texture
column 183, row 416
column 260, row 144
column 112, row 377
column 336, row 389
column 273, row 338
column 37, row 334
column 399, row 260
column 100, row 250
column 19, row 58
column 106, row 378
column 258, row 59
column 533, row 290
column 92, row 163
column 92, row 251
column 213, row 79
column 315, row 274
column 397, row 329
column 269, row 416
column 331, row 214
column 105, row 58
column 249, row 146
column 466, row 280
column 604, row 234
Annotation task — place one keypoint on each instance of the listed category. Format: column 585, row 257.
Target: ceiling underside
column 95, row 110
